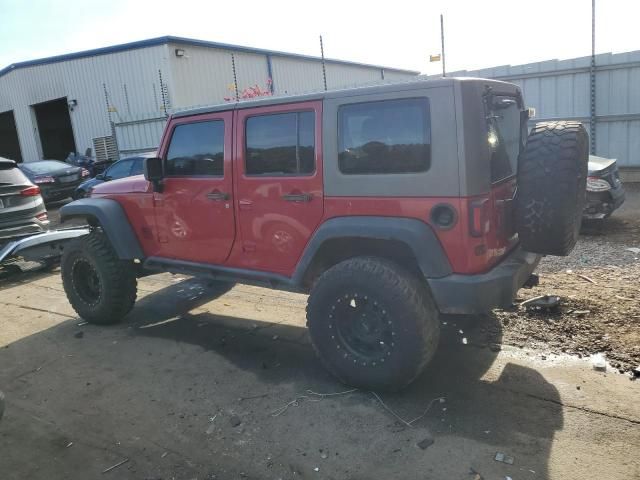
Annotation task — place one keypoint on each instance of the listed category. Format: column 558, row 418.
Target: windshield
column 504, row 124
column 45, row 166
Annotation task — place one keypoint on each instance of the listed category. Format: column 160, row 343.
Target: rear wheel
column 372, row 323
column 552, row 176
column 100, row 287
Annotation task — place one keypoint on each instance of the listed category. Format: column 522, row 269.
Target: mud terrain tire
column 372, row 323
column 100, row 287
column 552, row 175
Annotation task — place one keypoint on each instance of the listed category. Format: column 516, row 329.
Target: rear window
column 12, row 176
column 44, row 166
column 391, row 136
column 505, row 141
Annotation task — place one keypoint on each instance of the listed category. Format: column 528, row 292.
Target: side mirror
column 153, row 172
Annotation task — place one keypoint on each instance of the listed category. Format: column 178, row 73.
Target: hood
column 136, row 184
column 598, row 164
column 92, row 182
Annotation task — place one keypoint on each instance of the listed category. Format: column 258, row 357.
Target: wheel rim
column 86, row 281
column 362, row 328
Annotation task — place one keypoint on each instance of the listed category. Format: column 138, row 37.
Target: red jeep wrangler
column 387, row 204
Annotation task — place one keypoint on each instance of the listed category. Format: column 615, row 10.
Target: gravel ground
column 599, row 283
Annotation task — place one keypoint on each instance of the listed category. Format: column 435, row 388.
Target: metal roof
column 183, row 41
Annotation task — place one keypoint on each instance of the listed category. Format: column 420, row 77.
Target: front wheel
column 372, row 323
column 100, row 287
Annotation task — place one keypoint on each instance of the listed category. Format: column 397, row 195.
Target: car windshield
column 504, row 136
column 44, row 166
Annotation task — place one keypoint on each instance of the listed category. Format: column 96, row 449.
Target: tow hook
column 532, row 281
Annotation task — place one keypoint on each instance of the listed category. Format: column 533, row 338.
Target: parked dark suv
column 387, row 204
column 22, row 210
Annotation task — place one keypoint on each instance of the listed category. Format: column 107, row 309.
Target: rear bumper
column 602, row 204
column 469, row 294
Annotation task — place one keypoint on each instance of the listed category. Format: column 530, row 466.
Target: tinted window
column 505, row 129
column 197, row 149
column 391, row 136
column 281, row 144
column 138, row 166
column 120, row 169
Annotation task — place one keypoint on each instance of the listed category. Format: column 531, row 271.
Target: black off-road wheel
column 100, row 287
column 372, row 323
column 552, row 176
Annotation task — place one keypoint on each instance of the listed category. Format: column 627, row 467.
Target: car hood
column 136, row 184
column 598, row 164
column 92, row 182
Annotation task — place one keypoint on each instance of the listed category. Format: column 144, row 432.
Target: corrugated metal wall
column 560, row 90
column 82, row 80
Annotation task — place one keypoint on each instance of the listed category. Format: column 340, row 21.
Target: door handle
column 217, row 195
column 297, row 197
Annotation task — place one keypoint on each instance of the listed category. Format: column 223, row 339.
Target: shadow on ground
column 163, row 390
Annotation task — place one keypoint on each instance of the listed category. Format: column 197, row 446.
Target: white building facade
column 53, row 106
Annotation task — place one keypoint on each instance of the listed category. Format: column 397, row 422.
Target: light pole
column 444, row 71
column 592, row 78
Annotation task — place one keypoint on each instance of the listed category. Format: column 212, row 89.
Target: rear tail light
column 479, row 223
column 44, row 179
column 30, row 191
column 595, row 184
column 42, row 217
column 84, row 173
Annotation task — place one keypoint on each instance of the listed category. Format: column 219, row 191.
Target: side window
column 138, row 167
column 196, row 149
column 120, row 169
column 390, row 136
column 280, row 144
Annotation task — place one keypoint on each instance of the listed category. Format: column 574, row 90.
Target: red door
column 278, row 183
column 194, row 212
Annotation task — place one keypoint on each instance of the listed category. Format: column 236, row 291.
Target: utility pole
column 444, row 71
column 592, row 78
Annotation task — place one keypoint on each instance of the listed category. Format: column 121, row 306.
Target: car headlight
column 595, row 184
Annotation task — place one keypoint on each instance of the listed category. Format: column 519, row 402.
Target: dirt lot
column 202, row 382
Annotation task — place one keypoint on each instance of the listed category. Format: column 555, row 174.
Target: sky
column 393, row 33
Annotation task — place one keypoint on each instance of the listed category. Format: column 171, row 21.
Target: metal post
column 324, row 70
column 592, row 77
column 235, row 76
column 444, row 71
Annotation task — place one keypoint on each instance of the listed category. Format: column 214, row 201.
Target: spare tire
column 552, row 176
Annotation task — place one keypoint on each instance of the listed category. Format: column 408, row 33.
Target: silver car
column 22, row 210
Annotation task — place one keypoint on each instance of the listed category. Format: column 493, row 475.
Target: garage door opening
column 9, row 143
column 54, row 125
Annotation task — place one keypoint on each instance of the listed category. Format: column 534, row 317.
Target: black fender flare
column 111, row 217
column 417, row 235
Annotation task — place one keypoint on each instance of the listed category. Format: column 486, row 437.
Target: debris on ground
column 543, row 302
column 634, row 250
column 599, row 361
column 426, row 442
column 235, row 420
column 115, row 466
column 476, row 475
column 636, row 372
column 501, row 457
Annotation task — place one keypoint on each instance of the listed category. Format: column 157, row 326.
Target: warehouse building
column 68, row 103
